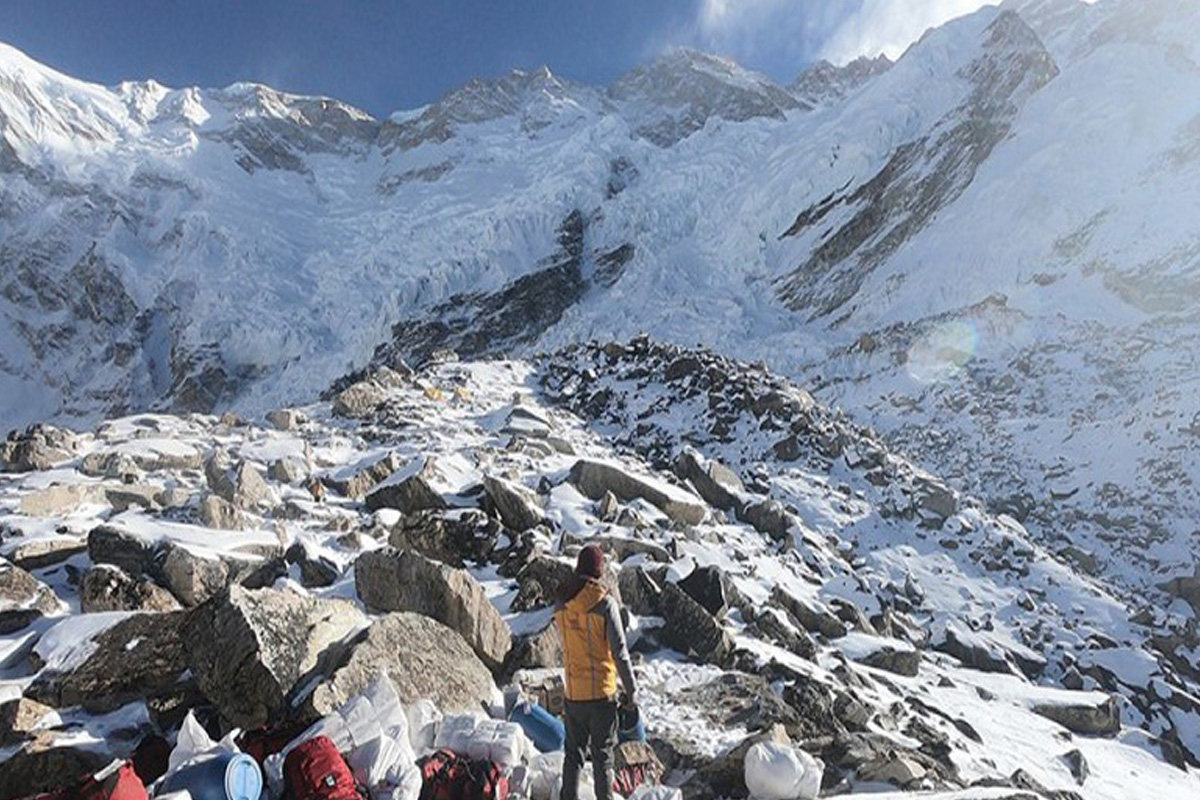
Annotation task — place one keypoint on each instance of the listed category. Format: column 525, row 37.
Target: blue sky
column 386, row 56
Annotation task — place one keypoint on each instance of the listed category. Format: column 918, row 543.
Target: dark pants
column 593, row 722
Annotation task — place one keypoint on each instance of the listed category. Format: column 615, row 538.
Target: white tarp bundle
column 782, row 772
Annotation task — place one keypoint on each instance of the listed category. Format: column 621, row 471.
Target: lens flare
column 942, row 351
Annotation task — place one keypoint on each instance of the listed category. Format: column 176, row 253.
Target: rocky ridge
column 830, row 594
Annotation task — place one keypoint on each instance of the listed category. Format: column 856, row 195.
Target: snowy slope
column 976, row 719
column 983, row 250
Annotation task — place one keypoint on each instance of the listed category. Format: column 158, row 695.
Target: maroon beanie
column 590, row 563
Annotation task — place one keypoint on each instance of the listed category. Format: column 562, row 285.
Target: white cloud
column 799, row 31
column 890, row 26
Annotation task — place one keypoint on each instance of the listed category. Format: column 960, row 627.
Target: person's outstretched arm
column 620, row 650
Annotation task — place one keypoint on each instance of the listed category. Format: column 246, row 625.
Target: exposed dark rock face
column 859, row 228
column 484, row 324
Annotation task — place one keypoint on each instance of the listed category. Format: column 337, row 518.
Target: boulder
column 287, row 470
column 935, row 502
column 768, row 517
column 717, row 484
column 774, row 624
column 59, row 500
column 453, row 537
column 595, row 478
column 110, row 464
column 539, row 581
column 607, row 507
column 403, row 580
column 192, row 578
column 132, row 495
column 891, row 659
column 41, row 767
column 240, row 484
column 20, row 591
column 692, row 630
column 19, row 719
column 516, row 506
column 973, row 652
column 738, row 700
column 1090, row 719
column 315, row 570
column 286, row 419
column 217, row 512
column 408, row 491
column 711, row 588
column 895, row 768
column 138, row 657
column 218, row 474
column 108, row 545
column 619, row 548
column 359, row 400
column 249, row 649
column 105, row 587
column 540, row 650
column 41, row 553
column 39, row 447
column 251, row 490
column 356, row 482
column 1077, row 764
column 809, row 616
column 641, row 589
column 423, row 658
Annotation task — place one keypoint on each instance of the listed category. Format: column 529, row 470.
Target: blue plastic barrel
column 225, row 776
column 630, row 727
column 545, row 730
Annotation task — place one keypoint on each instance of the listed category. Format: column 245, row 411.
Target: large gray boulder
column 249, row 649
column 356, row 482
column 403, row 580
column 42, row 766
column 39, row 447
column 109, row 545
column 453, row 537
column 692, row 630
column 516, row 506
column 217, row 512
column 137, row 658
column 359, row 400
column 192, row 578
column 59, row 500
column 768, row 517
column 19, row 590
column 240, row 484
column 595, row 478
column 715, row 482
column 104, row 587
column 409, row 491
column 423, row 658
column 1088, row 718
column 19, row 719
column 810, row 616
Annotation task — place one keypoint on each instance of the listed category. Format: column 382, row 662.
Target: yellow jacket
column 591, row 632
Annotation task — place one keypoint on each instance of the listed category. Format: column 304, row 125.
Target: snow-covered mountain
column 983, row 250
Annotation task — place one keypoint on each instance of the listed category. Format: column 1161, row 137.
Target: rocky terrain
column 786, row 575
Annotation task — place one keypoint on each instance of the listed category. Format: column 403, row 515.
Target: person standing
column 594, row 656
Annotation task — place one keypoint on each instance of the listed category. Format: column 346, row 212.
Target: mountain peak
column 824, row 83
column 672, row 97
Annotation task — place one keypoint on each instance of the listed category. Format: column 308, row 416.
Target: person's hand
column 629, row 700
